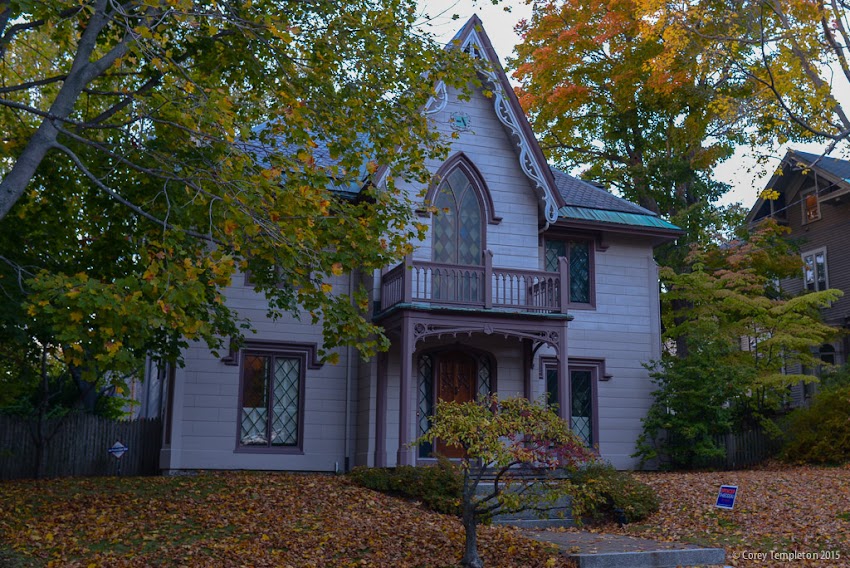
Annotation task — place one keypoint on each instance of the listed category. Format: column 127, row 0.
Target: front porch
column 449, row 352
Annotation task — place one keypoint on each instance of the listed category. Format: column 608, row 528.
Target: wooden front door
column 456, row 381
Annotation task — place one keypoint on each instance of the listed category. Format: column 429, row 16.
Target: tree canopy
column 151, row 149
column 590, row 84
column 743, row 339
column 515, row 455
column 791, row 53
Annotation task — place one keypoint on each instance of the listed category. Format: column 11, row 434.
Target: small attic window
column 472, row 50
column 811, row 206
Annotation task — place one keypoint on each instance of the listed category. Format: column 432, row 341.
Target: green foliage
column 191, row 142
column 691, row 406
column 601, row 493
column 707, row 384
column 835, row 378
column 820, row 433
column 438, row 486
column 519, row 445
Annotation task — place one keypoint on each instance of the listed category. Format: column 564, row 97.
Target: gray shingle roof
column 834, row 166
column 579, row 193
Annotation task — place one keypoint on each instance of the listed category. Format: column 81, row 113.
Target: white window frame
column 813, row 253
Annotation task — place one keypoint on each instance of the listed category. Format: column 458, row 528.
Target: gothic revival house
column 533, row 283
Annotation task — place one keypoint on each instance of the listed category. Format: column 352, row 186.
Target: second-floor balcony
column 483, row 286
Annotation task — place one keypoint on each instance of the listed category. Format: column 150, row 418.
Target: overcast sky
column 739, row 171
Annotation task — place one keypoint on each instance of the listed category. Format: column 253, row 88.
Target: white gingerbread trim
column 437, row 102
column 508, row 117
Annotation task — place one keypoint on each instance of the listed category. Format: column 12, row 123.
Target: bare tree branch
column 138, row 210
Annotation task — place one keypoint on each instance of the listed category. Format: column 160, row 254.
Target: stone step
column 599, row 550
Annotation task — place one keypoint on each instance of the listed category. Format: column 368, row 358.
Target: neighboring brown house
column 814, row 203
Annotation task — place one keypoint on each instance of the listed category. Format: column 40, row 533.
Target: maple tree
column 730, row 295
column 153, row 149
column 792, row 55
column 596, row 99
column 511, row 449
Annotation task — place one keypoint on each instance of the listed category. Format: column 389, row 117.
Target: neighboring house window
column 826, row 353
column 814, row 270
column 583, row 375
column 811, row 206
column 272, row 399
column 577, row 253
column 458, row 228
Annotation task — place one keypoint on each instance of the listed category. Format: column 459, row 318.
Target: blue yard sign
column 117, row 450
column 726, row 497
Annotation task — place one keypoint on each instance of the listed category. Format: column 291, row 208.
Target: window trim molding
column 591, row 260
column 813, row 253
column 306, row 353
column 597, row 368
column 233, row 350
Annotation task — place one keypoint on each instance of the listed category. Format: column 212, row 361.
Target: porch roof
column 616, row 217
column 425, row 307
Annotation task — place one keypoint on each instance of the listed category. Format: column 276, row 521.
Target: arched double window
column 458, row 233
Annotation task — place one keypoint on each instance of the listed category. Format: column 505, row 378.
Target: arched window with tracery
column 458, row 228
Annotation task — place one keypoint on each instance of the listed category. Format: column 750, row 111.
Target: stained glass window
column 581, row 405
column 457, row 228
column 271, row 387
column 580, row 398
column 577, row 254
column 426, row 401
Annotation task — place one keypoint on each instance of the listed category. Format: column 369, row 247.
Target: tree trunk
column 470, row 525
column 470, row 522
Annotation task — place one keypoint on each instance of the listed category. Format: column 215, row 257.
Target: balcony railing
column 482, row 286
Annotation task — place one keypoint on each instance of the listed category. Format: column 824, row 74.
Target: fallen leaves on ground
column 238, row 519
column 780, row 511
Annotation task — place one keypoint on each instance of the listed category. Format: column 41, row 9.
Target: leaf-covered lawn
column 236, row 519
column 778, row 510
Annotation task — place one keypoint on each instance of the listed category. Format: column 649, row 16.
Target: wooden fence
column 745, row 449
column 80, row 447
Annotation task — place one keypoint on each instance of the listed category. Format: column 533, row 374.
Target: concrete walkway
column 599, row 550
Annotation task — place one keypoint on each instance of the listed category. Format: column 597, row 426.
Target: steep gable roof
column 834, row 171
column 474, row 39
column 838, row 168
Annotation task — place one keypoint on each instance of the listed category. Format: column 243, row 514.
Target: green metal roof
column 615, row 217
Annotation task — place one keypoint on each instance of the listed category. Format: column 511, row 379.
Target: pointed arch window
column 458, row 228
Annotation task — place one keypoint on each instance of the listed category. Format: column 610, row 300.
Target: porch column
column 563, row 375
column 527, row 360
column 381, row 413
column 406, row 454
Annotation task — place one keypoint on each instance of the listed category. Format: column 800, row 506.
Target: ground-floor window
column 583, row 375
column 449, row 375
column 271, row 399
